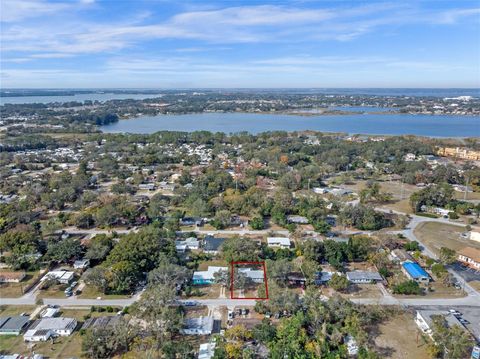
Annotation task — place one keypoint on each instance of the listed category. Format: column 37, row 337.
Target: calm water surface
column 382, row 124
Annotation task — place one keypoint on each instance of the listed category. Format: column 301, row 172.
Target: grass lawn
column 15, row 290
column 397, row 339
column 55, row 291
column 362, row 291
column 63, row 347
column 206, row 291
column 440, row 290
column 436, row 235
column 475, row 284
column 90, row 292
column 213, row 262
column 10, row 310
column 470, row 195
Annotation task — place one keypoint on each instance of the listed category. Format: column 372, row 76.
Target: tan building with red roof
column 470, row 256
column 11, row 277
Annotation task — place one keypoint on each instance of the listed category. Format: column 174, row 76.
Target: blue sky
column 179, row 44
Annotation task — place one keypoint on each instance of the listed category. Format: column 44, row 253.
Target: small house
column 43, row 329
column 147, row 186
column 212, row 245
column 191, row 221
column 424, row 319
column 81, row 264
column 201, row 326
column 352, row 346
column 13, row 325
column 62, row 276
column 278, row 242
column 11, row 277
column 208, row 276
column 296, row 279
column 414, row 272
column 187, row 244
column 49, row 312
column 323, row 277
column 257, row 276
column 297, row 219
column 364, row 277
column 206, row 350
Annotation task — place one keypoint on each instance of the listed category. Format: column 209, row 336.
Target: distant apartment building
column 459, row 152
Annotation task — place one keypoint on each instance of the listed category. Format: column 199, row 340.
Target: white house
column 206, row 351
column 62, row 276
column 188, row 244
column 424, row 320
column 44, row 329
column 198, row 326
column 255, row 275
column 297, row 219
column 474, row 236
column 278, row 242
column 49, row 312
column 352, row 346
column 146, row 186
column 81, row 264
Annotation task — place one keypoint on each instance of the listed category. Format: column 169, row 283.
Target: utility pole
column 466, row 189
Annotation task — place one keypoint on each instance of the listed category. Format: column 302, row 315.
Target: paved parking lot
column 473, row 316
column 468, row 274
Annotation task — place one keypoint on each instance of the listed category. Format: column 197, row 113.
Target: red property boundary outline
column 262, row 263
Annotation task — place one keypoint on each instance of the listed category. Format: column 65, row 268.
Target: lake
column 379, row 124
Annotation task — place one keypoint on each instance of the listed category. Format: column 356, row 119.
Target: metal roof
column 14, row 323
column 363, row 275
column 414, row 270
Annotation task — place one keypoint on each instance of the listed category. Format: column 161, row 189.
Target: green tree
column 64, row 250
column 454, row 342
column 447, row 255
column 155, row 307
column 338, row 282
column 109, row 341
column 407, row 287
column 257, row 223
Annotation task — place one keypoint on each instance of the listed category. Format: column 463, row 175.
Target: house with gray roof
column 13, row 325
column 360, row 277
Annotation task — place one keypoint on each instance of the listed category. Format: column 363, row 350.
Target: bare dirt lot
column 397, row 339
column 436, row 235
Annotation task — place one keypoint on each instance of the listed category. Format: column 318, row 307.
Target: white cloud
column 245, row 24
column 16, row 10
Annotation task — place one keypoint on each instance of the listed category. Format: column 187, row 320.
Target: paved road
column 239, row 232
column 75, row 230
column 472, row 298
column 409, row 233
